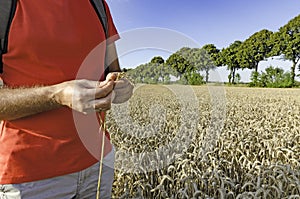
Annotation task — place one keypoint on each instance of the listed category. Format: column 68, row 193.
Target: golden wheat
column 253, row 153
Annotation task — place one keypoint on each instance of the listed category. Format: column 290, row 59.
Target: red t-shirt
column 48, row 42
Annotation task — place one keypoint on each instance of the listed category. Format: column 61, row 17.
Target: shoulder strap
column 99, row 7
column 7, row 10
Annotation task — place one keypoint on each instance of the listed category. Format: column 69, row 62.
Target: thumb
column 112, row 76
column 100, row 84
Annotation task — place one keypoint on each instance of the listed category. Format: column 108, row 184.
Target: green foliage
column 255, row 49
column 255, row 79
column 195, row 79
column 286, row 42
column 271, row 78
column 201, row 59
column 151, row 73
column 229, row 57
column 159, row 71
column 179, row 64
column 237, row 78
column 157, row 60
column 213, row 52
column 204, row 61
column 187, row 62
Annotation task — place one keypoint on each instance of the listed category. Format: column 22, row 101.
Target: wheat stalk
column 103, row 127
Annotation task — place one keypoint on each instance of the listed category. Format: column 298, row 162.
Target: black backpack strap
column 99, row 7
column 7, row 11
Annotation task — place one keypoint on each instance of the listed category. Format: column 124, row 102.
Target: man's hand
column 86, row 96
column 123, row 91
column 123, row 88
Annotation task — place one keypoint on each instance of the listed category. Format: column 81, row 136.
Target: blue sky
column 219, row 22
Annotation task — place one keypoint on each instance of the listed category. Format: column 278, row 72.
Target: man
column 42, row 152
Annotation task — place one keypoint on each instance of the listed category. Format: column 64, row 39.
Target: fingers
column 112, row 76
column 89, row 84
column 85, row 95
column 103, row 97
column 124, row 90
column 100, row 84
column 98, row 105
column 102, row 104
column 123, row 83
column 94, row 84
column 89, row 96
column 104, row 90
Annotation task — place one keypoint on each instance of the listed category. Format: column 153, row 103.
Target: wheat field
column 207, row 142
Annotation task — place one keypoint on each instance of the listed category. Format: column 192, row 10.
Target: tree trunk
column 256, row 67
column 207, row 75
column 233, row 76
column 293, row 72
column 230, row 76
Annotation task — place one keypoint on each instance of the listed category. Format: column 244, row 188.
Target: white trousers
column 79, row 185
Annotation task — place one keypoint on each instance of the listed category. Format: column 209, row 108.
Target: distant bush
column 195, row 79
column 271, row 78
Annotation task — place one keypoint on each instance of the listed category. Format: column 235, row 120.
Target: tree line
column 186, row 64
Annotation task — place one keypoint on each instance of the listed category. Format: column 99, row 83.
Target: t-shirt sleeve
column 112, row 30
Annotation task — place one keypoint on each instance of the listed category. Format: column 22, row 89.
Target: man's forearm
column 80, row 95
column 22, row 102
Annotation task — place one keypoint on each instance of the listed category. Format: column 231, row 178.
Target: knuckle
column 107, row 102
column 80, row 108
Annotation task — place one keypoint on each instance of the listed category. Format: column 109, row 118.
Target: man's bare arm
column 81, row 95
column 21, row 102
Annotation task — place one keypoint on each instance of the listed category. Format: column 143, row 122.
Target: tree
column 255, row 49
column 229, row 57
column 185, row 52
column 286, row 42
column 203, row 62
column 199, row 58
column 158, row 63
column 180, row 64
column 212, row 55
column 213, row 52
column 157, row 60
